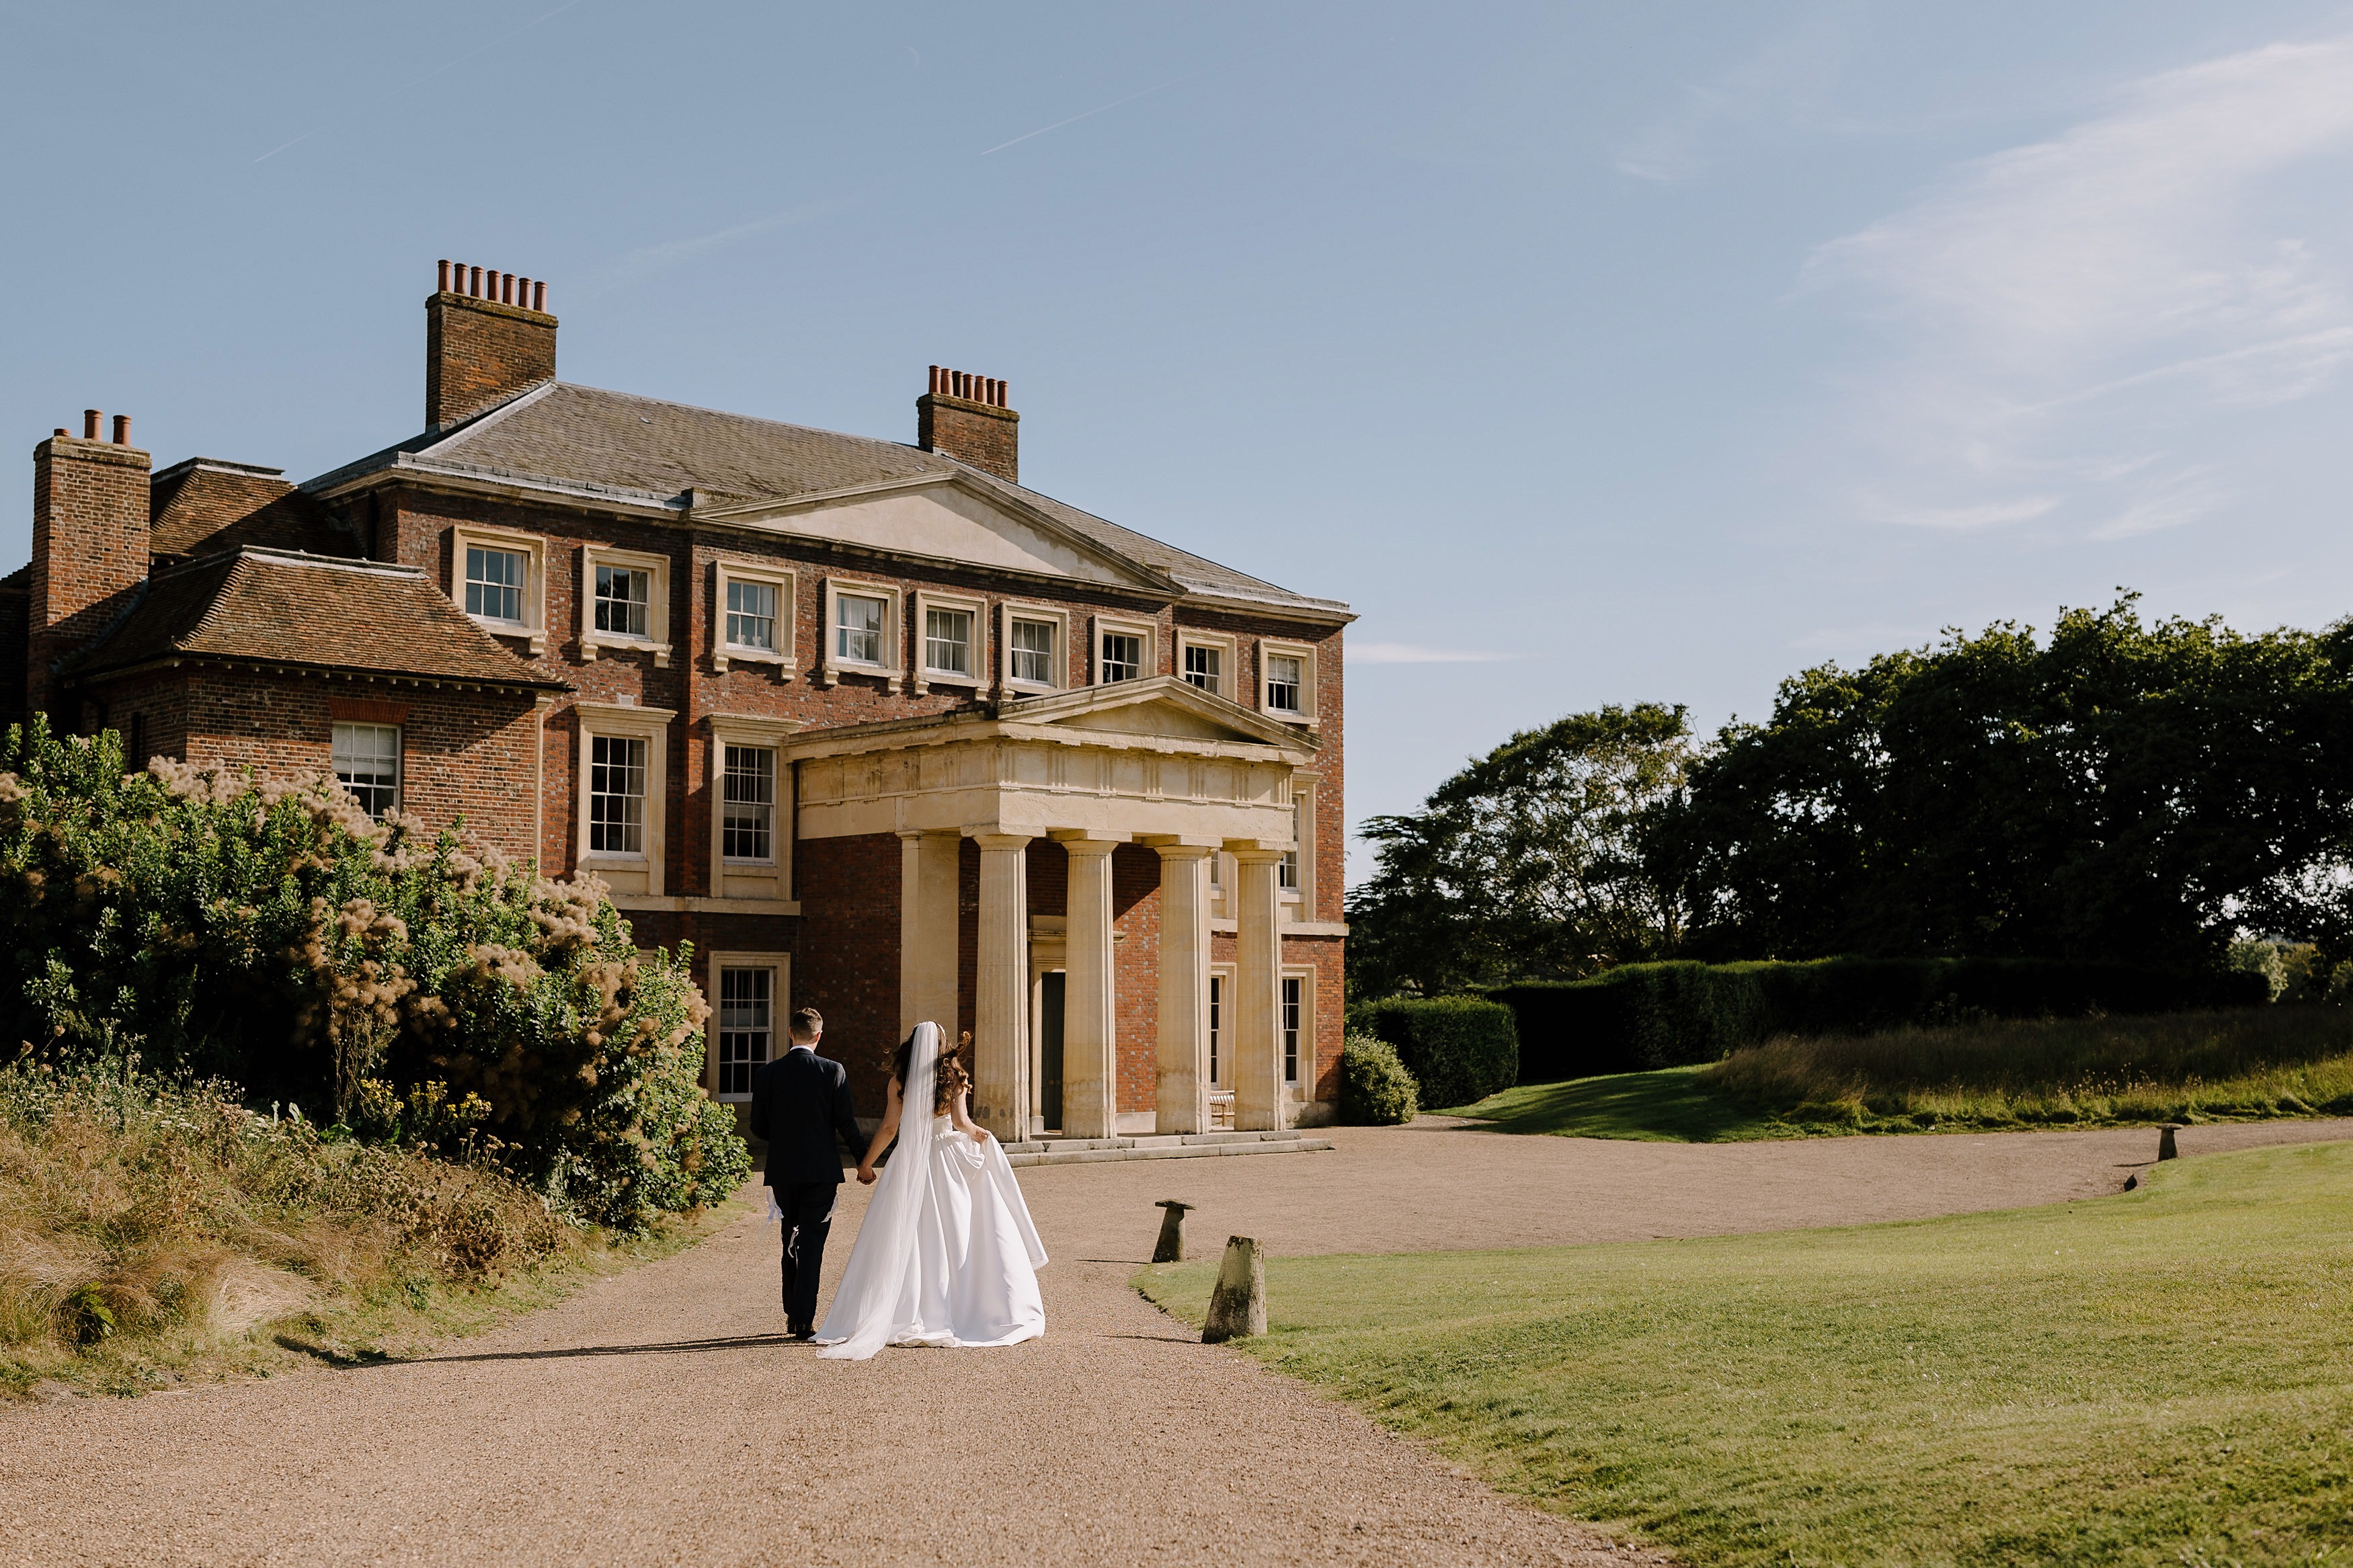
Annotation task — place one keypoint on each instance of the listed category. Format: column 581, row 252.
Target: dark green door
column 1050, row 1049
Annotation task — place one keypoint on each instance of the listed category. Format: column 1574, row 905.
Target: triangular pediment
column 1163, row 706
column 944, row 518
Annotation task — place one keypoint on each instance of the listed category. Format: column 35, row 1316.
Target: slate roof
column 646, row 450
column 205, row 504
column 285, row 608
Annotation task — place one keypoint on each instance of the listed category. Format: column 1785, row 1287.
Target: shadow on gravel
column 348, row 1361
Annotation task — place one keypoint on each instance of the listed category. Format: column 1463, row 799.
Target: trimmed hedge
column 1666, row 1015
column 1374, row 1089
column 1459, row 1049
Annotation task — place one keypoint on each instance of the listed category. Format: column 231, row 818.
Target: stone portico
column 1156, row 763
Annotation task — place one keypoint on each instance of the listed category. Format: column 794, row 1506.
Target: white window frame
column 657, row 637
column 831, row 666
column 1121, row 625
column 780, row 1012
column 1222, row 1051
column 751, row 729
column 784, row 656
column 918, row 623
column 652, row 726
column 1229, row 658
column 534, row 549
column 399, row 758
column 1305, row 654
column 1058, row 663
column 1302, row 1087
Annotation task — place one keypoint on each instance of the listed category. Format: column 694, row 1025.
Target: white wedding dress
column 946, row 1255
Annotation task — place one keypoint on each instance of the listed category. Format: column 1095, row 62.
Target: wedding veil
column 867, row 1303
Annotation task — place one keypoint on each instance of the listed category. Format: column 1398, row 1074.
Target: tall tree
column 1529, row 862
column 2126, row 790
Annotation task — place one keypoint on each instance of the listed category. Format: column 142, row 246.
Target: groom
column 800, row 1104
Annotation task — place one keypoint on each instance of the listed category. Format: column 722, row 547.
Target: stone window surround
column 1228, row 663
column 534, row 549
column 781, row 578
column 747, row 730
column 657, row 637
column 1302, row 793
column 1124, row 625
column 1305, row 654
column 831, row 667
column 1010, row 611
column 780, row 1013
column 652, row 726
column 925, row 677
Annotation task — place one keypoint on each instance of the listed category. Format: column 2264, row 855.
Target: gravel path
column 657, row 1418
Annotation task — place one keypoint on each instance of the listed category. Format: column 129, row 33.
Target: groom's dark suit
column 800, row 1104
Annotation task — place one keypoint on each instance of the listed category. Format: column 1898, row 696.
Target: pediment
column 1163, row 708
column 944, row 519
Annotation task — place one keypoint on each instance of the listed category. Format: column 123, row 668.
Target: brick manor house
column 876, row 728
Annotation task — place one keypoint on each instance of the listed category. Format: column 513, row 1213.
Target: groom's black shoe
column 801, row 1331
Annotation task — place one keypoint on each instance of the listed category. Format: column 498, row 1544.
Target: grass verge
column 2004, row 1075
column 153, row 1234
column 2155, row 1378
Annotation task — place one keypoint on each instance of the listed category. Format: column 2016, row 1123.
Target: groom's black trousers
column 808, row 1218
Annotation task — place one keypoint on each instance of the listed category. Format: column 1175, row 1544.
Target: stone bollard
column 1171, row 1246
column 1238, row 1306
column 2165, row 1149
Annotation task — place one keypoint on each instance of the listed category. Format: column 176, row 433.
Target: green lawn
column 2162, row 1377
column 2242, row 1064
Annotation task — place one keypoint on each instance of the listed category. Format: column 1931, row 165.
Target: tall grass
column 2184, row 1066
column 142, row 1220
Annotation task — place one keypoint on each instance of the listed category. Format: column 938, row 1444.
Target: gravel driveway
column 658, row 1418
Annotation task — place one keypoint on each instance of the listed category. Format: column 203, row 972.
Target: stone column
column 1181, row 1096
column 1258, row 1102
column 1000, row 1036
column 1090, row 1045
column 928, row 967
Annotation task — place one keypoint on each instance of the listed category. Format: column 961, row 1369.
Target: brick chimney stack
column 488, row 336
column 966, row 417
column 90, row 547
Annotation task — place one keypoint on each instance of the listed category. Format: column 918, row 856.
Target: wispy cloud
column 1962, row 519
column 1788, row 79
column 648, row 261
column 1090, row 114
column 1414, row 653
column 2068, row 318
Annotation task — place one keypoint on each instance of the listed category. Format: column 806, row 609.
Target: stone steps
column 1164, row 1146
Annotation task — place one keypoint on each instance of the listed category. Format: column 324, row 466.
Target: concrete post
column 1258, row 1102
column 1001, row 989
column 1181, row 1098
column 1238, row 1305
column 928, row 948
column 1090, row 1045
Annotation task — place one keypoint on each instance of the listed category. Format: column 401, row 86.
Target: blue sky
column 1594, row 353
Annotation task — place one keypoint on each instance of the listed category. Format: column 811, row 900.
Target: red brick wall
column 987, row 437
column 1135, row 970
column 463, row 753
column 478, row 353
column 846, row 961
column 89, row 549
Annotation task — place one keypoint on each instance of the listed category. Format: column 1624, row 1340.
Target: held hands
column 865, row 1176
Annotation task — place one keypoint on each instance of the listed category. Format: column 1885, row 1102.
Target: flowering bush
column 416, row 988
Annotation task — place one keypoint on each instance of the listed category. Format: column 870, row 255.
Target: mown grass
column 2155, row 1378
column 151, row 1234
column 2240, row 1065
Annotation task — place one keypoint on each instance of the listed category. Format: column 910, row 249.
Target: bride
column 947, row 1255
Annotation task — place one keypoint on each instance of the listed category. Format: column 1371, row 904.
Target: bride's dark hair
column 950, row 1078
